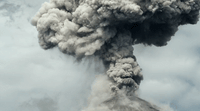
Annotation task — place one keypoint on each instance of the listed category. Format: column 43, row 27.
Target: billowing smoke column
column 108, row 29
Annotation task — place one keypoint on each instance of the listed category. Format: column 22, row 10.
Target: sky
column 33, row 79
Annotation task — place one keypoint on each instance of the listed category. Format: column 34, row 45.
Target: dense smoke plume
column 107, row 29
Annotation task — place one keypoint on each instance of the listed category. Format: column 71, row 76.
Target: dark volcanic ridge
column 135, row 104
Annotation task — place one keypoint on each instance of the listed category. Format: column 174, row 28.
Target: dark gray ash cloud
column 83, row 28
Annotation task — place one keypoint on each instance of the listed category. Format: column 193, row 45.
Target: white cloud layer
column 171, row 73
column 32, row 79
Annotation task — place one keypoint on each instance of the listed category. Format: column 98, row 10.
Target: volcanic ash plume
column 108, row 29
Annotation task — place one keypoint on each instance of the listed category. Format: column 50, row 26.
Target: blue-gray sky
column 32, row 79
